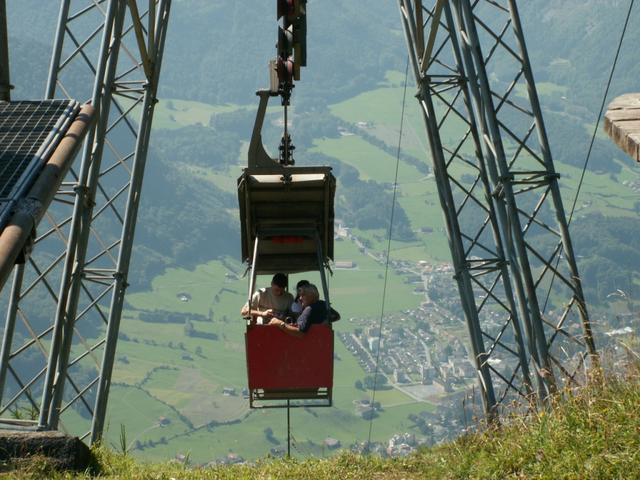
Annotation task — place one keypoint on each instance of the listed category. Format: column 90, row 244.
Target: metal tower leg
column 565, row 239
column 78, row 265
column 505, row 202
column 446, row 41
column 10, row 325
column 58, row 44
column 5, row 82
column 479, row 253
column 528, row 172
column 156, row 48
column 81, row 223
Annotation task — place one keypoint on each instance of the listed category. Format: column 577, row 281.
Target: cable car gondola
column 286, row 216
column 287, row 219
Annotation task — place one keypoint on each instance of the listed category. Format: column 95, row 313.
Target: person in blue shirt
column 314, row 312
column 296, row 306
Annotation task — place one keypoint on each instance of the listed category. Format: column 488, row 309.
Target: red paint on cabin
column 279, row 361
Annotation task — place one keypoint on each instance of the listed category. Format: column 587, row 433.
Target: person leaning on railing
column 296, row 306
column 270, row 302
column 314, row 312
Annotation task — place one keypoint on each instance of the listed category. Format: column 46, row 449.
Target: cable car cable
column 593, row 138
column 288, row 429
column 386, row 270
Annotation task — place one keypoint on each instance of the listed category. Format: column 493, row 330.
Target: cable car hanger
column 287, row 220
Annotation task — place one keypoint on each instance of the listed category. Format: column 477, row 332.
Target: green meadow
column 211, row 440
column 174, row 113
column 159, row 366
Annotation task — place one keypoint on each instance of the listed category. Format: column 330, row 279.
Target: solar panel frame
column 30, row 130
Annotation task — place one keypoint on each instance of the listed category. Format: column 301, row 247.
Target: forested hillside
column 216, row 54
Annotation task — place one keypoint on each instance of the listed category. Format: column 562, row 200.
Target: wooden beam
column 622, row 123
column 137, row 26
column 419, row 27
column 435, row 26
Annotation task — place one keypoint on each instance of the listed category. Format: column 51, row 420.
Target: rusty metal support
column 5, row 80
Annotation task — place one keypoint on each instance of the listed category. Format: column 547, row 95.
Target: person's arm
column 303, row 322
column 290, row 329
column 254, row 312
column 247, row 310
column 250, row 312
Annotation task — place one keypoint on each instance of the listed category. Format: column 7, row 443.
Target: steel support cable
column 602, row 105
column 593, row 139
column 386, row 269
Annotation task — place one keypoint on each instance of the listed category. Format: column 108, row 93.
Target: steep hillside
column 591, row 433
column 217, row 52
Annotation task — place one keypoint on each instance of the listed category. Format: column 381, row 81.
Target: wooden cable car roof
column 291, row 211
column 622, row 123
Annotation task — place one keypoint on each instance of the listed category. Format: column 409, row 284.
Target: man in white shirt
column 270, row 302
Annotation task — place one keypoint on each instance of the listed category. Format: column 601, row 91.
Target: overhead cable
column 386, row 270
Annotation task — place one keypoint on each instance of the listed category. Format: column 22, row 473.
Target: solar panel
column 29, row 133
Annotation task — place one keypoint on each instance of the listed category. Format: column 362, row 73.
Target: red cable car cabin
column 287, row 226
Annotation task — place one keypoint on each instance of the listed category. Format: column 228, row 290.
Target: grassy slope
column 592, row 433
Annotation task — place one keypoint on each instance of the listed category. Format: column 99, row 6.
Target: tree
column 268, row 433
column 359, row 385
column 370, row 381
column 189, row 329
column 369, row 414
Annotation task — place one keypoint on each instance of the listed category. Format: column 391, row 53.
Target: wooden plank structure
column 622, row 123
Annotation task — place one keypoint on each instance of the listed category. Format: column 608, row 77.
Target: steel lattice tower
column 515, row 266
column 66, row 301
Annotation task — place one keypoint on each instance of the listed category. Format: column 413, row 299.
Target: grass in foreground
column 592, row 433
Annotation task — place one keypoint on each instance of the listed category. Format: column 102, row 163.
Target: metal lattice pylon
column 515, row 266
column 66, row 301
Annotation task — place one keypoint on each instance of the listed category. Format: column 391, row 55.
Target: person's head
column 309, row 294
column 299, row 286
column 278, row 284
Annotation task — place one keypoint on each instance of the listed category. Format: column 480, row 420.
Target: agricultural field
column 174, row 113
column 182, row 378
column 214, row 439
column 600, row 192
